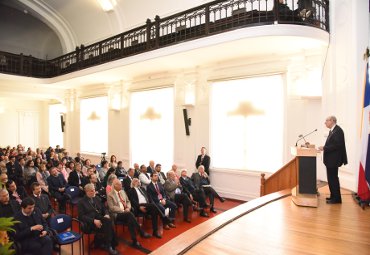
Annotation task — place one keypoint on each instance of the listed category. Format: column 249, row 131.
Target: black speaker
column 62, row 122
column 187, row 121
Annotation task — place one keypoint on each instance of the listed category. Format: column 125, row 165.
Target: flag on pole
column 364, row 171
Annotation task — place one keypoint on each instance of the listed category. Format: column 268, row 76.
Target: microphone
column 303, row 136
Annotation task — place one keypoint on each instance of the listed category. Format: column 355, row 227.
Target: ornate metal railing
column 212, row 18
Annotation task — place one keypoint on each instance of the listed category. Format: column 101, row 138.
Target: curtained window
column 94, row 125
column 152, row 127
column 247, row 117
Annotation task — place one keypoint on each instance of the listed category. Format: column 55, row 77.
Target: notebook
column 66, row 236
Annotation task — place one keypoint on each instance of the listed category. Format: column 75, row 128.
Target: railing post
column 21, row 59
column 262, row 188
column 157, row 22
column 207, row 19
column 148, row 32
column 276, row 10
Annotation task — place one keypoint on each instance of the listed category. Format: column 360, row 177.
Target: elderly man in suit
column 201, row 181
column 141, row 204
column 335, row 155
column 120, row 209
column 95, row 218
column 32, row 231
column 57, row 185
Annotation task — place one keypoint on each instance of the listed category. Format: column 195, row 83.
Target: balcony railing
column 205, row 20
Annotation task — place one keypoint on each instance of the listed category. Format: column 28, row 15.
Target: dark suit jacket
column 73, row 179
column 335, row 153
column 206, row 161
column 43, row 203
column 196, row 178
column 132, row 195
column 150, row 170
column 152, row 192
column 14, row 172
column 23, row 229
column 88, row 212
column 127, row 183
column 12, row 208
column 56, row 182
column 21, row 192
column 188, row 185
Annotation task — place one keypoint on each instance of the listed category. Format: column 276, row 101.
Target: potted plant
column 6, row 225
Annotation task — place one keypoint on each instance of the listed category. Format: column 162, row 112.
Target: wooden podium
column 305, row 193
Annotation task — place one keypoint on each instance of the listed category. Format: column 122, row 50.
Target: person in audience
column 95, row 218
column 120, row 170
column 127, row 181
column 194, row 193
column 286, row 14
column 41, row 177
column 61, row 169
column 120, row 210
column 203, row 159
column 75, row 178
column 110, row 178
column 137, row 170
column 86, row 165
column 8, row 207
column 151, row 167
column 32, row 231
column 3, row 180
column 42, row 201
column 57, row 185
column 2, row 166
column 141, row 204
column 16, row 193
column 99, row 189
column 37, row 162
column 158, row 196
column 175, row 192
column 201, row 181
column 161, row 176
column 54, row 159
column 174, row 169
column 14, row 170
column 103, row 170
column 29, row 173
column 113, row 161
column 86, row 179
column 144, row 177
column 70, row 167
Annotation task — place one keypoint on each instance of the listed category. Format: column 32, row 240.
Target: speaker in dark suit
column 335, row 155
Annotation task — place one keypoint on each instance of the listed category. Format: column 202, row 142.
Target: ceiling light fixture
column 107, row 5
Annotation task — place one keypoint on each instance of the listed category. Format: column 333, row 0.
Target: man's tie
column 158, row 193
column 122, row 201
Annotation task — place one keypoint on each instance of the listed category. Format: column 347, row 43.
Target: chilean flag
column 364, row 172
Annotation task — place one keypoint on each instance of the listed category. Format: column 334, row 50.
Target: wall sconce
column 93, row 116
column 150, row 114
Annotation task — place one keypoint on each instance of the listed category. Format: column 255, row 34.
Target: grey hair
column 132, row 182
column 333, row 118
column 111, row 178
column 89, row 186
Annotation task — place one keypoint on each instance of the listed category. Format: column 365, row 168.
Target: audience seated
column 141, row 204
column 175, row 192
column 201, row 181
column 14, row 170
column 103, row 170
column 57, row 185
column 29, row 173
column 151, row 167
column 144, row 177
column 110, row 178
column 8, row 207
column 32, row 231
column 3, row 180
column 93, row 215
column 16, row 193
column 120, row 210
column 158, row 196
column 127, row 181
column 137, row 170
column 120, row 170
column 194, row 193
column 76, row 178
column 161, row 176
column 42, row 201
column 41, row 177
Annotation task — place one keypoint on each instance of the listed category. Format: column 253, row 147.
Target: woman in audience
column 61, row 169
column 86, row 166
column 37, row 161
column 70, row 167
column 29, row 173
column 111, row 177
column 103, row 170
column 113, row 161
column 41, row 176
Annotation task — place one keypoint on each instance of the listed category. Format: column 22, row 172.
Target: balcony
column 203, row 21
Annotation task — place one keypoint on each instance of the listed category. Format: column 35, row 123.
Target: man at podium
column 335, row 155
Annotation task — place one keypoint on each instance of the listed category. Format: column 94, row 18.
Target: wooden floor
column 281, row 227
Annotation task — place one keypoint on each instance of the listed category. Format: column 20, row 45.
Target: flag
column 364, row 171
